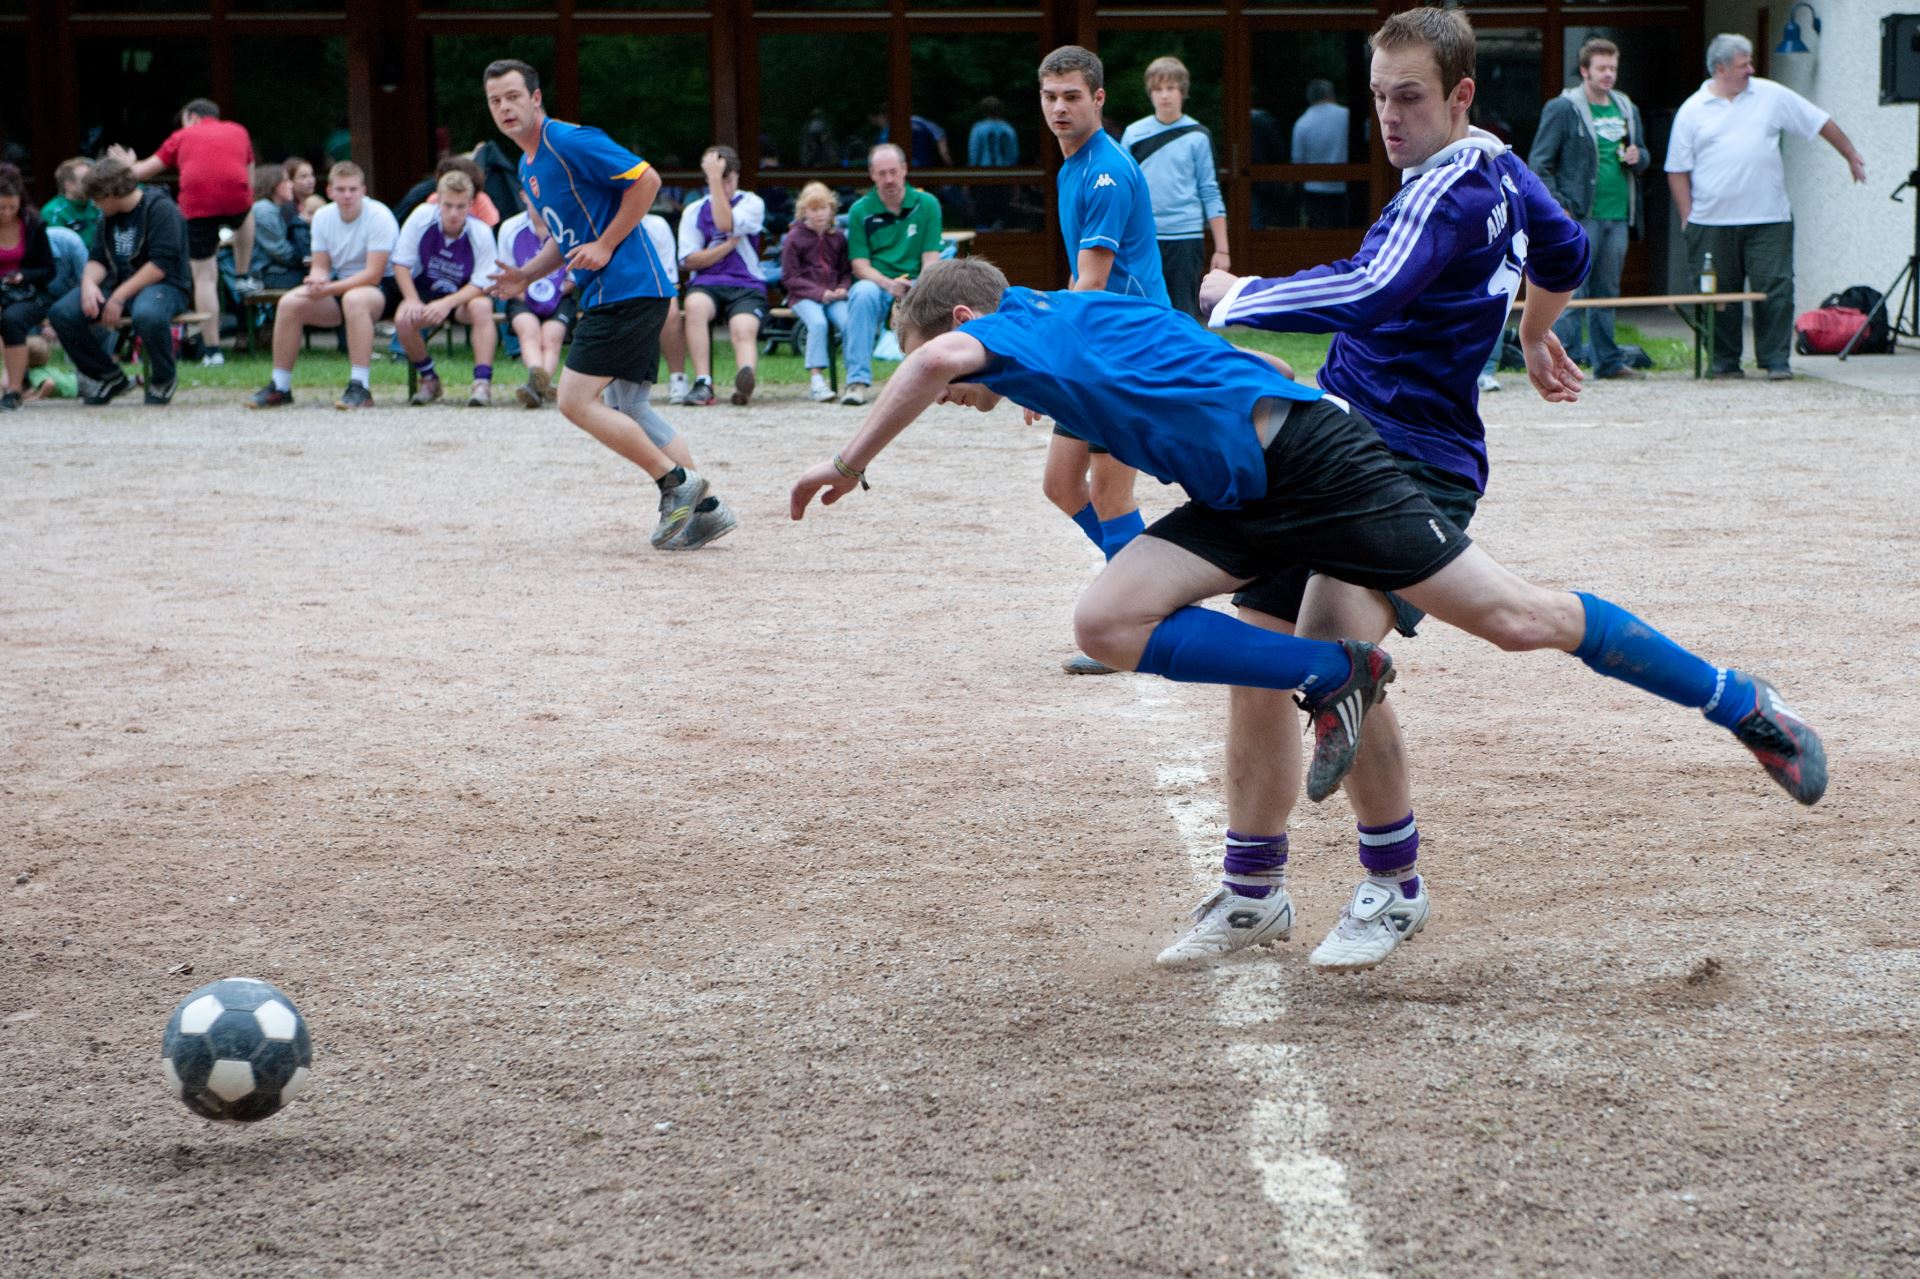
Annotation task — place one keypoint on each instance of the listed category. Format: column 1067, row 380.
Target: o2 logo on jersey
column 566, row 239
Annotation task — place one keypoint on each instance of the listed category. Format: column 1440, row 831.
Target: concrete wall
column 1844, row 234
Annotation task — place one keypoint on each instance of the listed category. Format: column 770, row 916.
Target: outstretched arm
column 919, row 381
column 1836, row 136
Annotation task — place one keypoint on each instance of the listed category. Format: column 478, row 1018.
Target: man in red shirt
column 215, row 160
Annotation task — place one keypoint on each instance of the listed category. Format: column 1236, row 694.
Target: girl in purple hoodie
column 816, row 273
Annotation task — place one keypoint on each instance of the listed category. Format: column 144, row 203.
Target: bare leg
column 581, row 405
column 1112, row 486
column 1137, row 591
column 1065, row 479
column 206, row 299
column 486, row 334
column 243, row 245
column 673, row 339
column 1482, row 598
column 699, row 332
column 533, row 341
column 1263, row 749
column 1377, row 788
column 744, row 330
column 296, row 311
column 410, row 340
column 361, row 308
column 555, row 334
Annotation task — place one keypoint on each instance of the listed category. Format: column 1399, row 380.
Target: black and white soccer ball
column 236, row 1050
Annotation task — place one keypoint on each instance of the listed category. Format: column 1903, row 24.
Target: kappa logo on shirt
column 1104, row 180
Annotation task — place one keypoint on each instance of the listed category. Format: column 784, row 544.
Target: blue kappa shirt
column 1105, row 204
column 1417, row 310
column 1162, row 395
column 575, row 179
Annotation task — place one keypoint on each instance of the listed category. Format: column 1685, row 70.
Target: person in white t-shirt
column 1730, row 188
column 673, row 338
column 443, row 266
column 350, row 283
column 720, row 249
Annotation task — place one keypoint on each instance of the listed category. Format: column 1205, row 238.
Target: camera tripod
column 1905, row 314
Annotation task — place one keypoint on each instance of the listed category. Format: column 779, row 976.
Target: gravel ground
column 781, row 909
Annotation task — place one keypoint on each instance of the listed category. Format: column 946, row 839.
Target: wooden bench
column 1696, row 309
column 185, row 319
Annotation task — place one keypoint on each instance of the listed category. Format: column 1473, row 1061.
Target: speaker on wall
column 1900, row 58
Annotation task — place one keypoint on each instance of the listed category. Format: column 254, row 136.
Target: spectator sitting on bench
column 447, row 256
column 281, row 237
column 817, row 274
column 71, row 208
column 542, row 317
column 350, row 283
column 720, row 249
column 138, row 272
column 300, row 173
column 213, row 157
column 26, row 274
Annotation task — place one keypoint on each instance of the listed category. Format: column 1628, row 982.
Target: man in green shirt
column 71, row 208
column 893, row 234
column 1588, row 152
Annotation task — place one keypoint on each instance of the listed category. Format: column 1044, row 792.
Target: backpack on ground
column 1827, row 329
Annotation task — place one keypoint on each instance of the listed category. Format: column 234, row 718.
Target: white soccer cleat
column 1377, row 918
column 1226, row 922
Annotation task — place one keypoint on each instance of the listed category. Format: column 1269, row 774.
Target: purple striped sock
column 1390, row 851
column 1255, row 865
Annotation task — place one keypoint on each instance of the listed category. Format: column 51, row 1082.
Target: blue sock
column 1255, row 865
column 1089, row 521
column 1388, row 853
column 483, row 372
column 1199, row 646
column 1117, row 532
column 1623, row 647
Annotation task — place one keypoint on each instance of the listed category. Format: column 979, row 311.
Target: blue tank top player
column 1414, row 314
column 1276, row 474
column 1107, row 228
column 591, row 193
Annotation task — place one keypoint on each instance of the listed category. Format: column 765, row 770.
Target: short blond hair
column 927, row 310
column 1169, row 70
column 816, row 193
column 454, row 182
column 346, row 169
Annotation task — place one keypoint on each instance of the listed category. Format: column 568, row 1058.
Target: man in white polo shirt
column 1728, row 182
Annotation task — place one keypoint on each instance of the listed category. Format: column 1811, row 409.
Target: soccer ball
column 236, row 1050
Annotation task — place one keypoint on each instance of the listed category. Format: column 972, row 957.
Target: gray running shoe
column 1081, row 664
column 430, row 390
column 710, row 524
column 354, row 397
column 676, row 507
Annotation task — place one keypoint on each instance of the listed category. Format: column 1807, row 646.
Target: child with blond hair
column 817, row 273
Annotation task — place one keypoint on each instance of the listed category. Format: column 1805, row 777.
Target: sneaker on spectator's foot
column 542, row 383
column 743, row 384
column 1337, row 715
column 9, row 401
column 1375, row 920
column 1488, row 382
column 1715, row 375
column 355, row 396
column 700, row 393
column 213, row 359
column 270, row 397
column 245, row 286
column 429, row 392
column 481, row 396
column 820, row 392
column 856, row 393
column 676, row 507
column 1780, row 375
column 111, row 387
column 677, row 388
column 528, row 395
column 160, row 395
column 1081, row 664
column 1226, row 922
column 1786, row 746
column 711, row 520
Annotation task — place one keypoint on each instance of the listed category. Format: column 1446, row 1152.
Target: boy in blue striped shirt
column 1175, row 152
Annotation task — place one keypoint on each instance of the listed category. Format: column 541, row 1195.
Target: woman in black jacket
column 26, row 270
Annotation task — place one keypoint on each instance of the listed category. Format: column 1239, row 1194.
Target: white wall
column 1843, row 233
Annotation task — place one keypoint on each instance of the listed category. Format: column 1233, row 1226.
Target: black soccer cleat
column 270, row 397
column 1786, row 745
column 1336, row 716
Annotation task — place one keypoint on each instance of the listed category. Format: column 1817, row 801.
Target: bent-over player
column 1414, row 314
column 1276, row 474
column 592, row 193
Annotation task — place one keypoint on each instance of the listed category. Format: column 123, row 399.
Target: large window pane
column 461, row 120
column 136, row 88
column 1507, row 96
column 1310, row 106
column 1126, row 55
column 650, row 93
column 817, row 98
column 287, row 123
column 970, row 89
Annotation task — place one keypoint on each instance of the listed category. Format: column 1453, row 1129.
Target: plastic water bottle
column 1709, row 278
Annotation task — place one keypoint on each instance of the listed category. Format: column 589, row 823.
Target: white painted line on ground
column 1324, row 1234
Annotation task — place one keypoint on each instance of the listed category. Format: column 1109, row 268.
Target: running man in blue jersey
column 1415, row 314
column 1276, row 474
column 1107, row 226
column 592, row 193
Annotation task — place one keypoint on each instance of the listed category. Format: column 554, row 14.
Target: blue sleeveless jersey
column 1105, row 204
column 575, row 179
column 1417, row 310
column 1156, row 390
